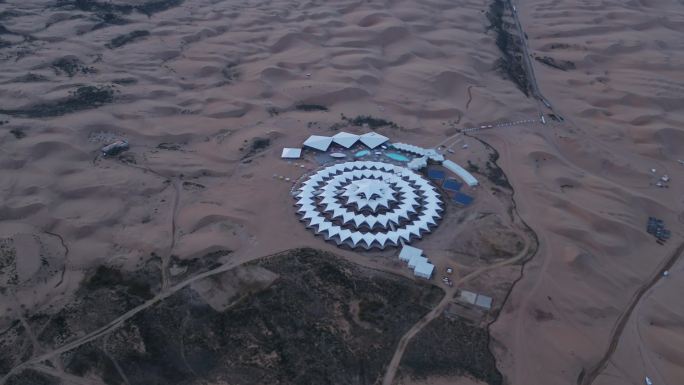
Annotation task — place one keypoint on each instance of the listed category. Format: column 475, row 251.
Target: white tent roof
column 424, row 270
column 291, row 153
column 318, row 142
column 467, row 177
column 420, row 151
column 408, row 252
column 415, row 261
column 372, row 139
column 417, row 163
column 345, row 139
column 410, row 148
column 320, row 207
column 483, row 301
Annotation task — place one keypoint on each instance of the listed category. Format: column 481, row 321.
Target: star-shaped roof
column 369, row 193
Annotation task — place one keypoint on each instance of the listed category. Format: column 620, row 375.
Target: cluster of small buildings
column 428, row 153
column 368, row 194
column 452, row 187
column 421, row 156
column 476, row 299
column 344, row 139
column 420, row 265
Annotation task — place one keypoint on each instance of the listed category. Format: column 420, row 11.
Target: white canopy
column 467, row 177
column 368, row 184
column 318, row 142
column 415, row 261
column 408, row 252
column 291, row 153
column 372, row 139
column 345, row 139
column 424, row 270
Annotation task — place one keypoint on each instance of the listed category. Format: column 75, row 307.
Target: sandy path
column 615, row 335
column 114, row 361
column 66, row 255
column 393, row 366
column 166, row 258
column 68, row 379
column 119, row 321
column 406, row 338
column 32, row 336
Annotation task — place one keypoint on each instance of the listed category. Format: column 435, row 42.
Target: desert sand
column 192, row 84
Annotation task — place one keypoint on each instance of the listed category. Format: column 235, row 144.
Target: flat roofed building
column 467, row 296
column 452, row 185
column 462, row 199
column 435, row 174
column 345, row 139
column 415, row 261
column 318, row 142
column 417, row 163
column 408, row 252
column 291, row 153
column 373, row 139
column 483, row 301
column 462, row 173
column 424, row 270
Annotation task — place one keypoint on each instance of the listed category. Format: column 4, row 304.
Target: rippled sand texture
column 190, row 86
column 624, row 104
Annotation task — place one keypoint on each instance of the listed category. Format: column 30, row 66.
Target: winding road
column 37, row 361
column 588, row 377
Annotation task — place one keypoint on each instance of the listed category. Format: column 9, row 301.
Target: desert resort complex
column 367, row 193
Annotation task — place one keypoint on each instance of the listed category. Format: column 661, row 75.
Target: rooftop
column 291, row 153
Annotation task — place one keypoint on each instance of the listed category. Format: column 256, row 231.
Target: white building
column 417, row 163
column 318, row 142
column 408, row 252
column 345, row 139
column 462, row 173
column 415, row 261
column 291, row 153
column 372, row 139
column 424, row 270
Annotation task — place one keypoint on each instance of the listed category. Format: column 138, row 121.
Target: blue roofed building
column 463, row 199
column 435, row 174
column 453, row 185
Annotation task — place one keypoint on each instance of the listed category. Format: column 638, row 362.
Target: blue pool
column 395, row 156
column 362, row 153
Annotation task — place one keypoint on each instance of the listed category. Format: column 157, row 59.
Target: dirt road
column 588, row 377
column 393, row 366
column 119, row 321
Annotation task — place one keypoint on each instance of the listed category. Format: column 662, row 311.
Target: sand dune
column 623, row 101
column 195, row 86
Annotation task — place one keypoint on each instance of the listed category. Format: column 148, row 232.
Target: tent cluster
column 345, row 139
column 430, row 153
column 368, row 204
column 416, row 261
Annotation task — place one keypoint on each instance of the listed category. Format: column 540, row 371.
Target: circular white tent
column 368, row 204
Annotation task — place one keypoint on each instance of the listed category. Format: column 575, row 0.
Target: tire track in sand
column 587, row 378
